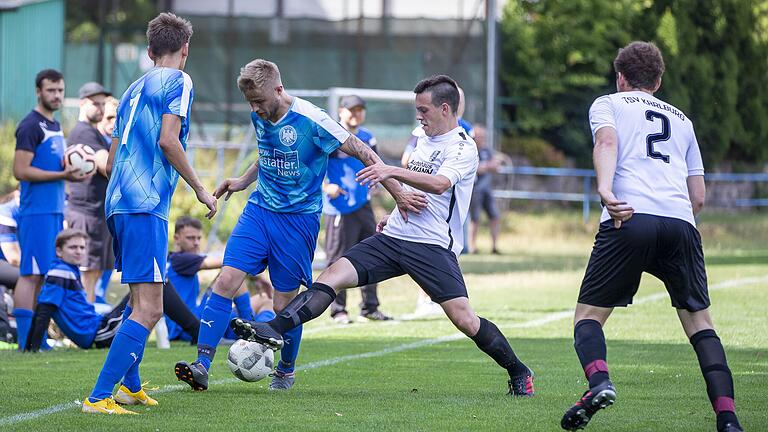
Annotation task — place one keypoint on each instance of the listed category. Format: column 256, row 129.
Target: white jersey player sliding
column 424, row 245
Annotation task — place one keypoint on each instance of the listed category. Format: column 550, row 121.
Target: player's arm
column 211, row 262
column 604, row 156
column 43, row 314
column 24, row 171
column 171, row 146
column 434, row 184
column 236, row 184
column 111, row 157
column 407, row 201
column 12, row 253
column 697, row 192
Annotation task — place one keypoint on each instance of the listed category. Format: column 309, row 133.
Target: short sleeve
column 460, row 162
column 330, row 134
column 601, row 114
column 7, row 233
column 693, row 157
column 186, row 264
column 28, row 136
column 178, row 95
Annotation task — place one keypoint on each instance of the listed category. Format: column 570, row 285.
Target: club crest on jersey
column 288, row 135
column 434, row 155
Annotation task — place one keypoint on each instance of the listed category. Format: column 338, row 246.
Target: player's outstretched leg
column 491, row 341
column 714, row 367
column 589, row 342
column 305, row 306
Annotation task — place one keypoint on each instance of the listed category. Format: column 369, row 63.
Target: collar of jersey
column 290, row 108
column 445, row 136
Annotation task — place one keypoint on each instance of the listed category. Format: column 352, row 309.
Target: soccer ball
column 250, row 361
column 82, row 157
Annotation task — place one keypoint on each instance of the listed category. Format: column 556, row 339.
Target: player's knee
column 467, row 323
column 226, row 285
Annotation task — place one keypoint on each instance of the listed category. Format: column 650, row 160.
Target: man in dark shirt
column 85, row 208
column 482, row 194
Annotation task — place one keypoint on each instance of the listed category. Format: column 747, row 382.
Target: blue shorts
column 284, row 241
column 140, row 243
column 37, row 241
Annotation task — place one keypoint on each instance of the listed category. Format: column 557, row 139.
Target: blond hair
column 258, row 74
column 111, row 101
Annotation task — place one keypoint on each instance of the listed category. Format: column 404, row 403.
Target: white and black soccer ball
column 82, row 157
column 250, row 361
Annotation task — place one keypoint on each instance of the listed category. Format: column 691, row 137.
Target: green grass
column 450, row 385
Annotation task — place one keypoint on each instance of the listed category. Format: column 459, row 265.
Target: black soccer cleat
column 731, row 427
column 257, row 332
column 521, row 385
column 601, row 396
column 193, row 374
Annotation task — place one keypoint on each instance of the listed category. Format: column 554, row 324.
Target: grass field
column 420, row 375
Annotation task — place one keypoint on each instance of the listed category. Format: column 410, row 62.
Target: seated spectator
column 63, row 299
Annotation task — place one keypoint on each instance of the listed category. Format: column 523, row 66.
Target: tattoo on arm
column 356, row 148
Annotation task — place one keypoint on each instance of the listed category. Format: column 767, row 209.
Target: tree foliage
column 557, row 57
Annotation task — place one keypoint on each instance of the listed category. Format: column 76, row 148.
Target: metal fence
column 587, row 195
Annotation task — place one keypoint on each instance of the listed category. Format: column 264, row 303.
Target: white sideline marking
column 555, row 316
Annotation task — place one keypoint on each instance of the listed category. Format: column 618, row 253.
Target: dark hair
column 443, row 88
column 167, row 33
column 51, row 75
column 641, row 64
column 186, row 221
column 68, row 234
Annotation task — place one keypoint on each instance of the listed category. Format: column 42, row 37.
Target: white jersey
column 454, row 156
column 657, row 152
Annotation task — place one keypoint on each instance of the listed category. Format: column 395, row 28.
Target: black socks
column 492, row 342
column 307, row 305
column 589, row 341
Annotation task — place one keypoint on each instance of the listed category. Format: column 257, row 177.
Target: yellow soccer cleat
column 104, row 406
column 126, row 397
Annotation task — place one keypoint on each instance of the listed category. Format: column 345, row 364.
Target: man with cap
column 85, row 208
column 348, row 214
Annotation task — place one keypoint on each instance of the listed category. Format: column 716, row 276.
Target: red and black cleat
column 601, row 396
column 521, row 385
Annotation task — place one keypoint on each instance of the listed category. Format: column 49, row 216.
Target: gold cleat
column 104, row 406
column 126, row 397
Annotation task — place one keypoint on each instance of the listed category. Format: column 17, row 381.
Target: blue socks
column 214, row 321
column 265, row 316
column 243, row 305
column 131, row 378
column 100, row 290
column 124, row 353
column 290, row 350
column 23, row 324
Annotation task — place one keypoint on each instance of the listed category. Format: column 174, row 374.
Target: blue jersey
column 142, row 179
column 293, row 157
column 342, row 169
column 44, row 138
column 9, row 213
column 76, row 317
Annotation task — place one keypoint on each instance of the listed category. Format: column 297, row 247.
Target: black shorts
column 100, row 253
column 434, row 268
column 110, row 324
column 483, row 200
column 667, row 248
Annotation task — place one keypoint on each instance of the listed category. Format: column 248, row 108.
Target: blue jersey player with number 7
column 145, row 161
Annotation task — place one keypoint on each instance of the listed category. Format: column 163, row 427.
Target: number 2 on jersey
column 651, row 139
